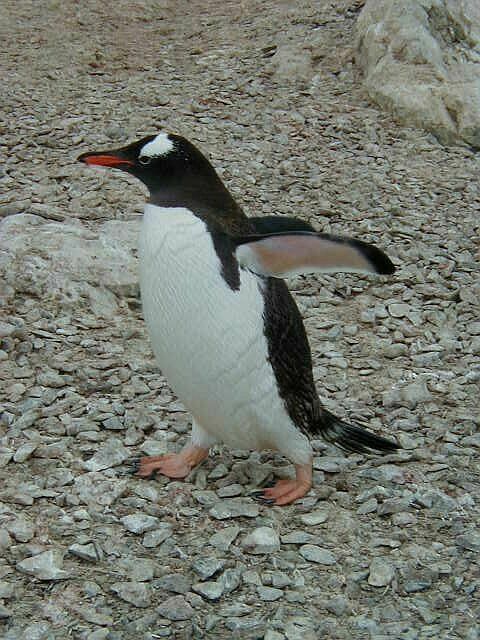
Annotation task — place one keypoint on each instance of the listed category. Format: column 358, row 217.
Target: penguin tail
column 352, row 437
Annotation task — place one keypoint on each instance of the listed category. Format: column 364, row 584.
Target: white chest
column 205, row 335
column 208, row 339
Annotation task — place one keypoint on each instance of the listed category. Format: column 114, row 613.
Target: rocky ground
column 381, row 547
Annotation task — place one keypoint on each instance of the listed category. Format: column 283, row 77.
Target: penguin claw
column 259, row 496
column 133, row 466
column 133, row 461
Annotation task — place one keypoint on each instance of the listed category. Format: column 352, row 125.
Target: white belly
column 209, row 339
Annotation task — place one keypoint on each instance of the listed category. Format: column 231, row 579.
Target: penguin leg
column 179, row 465
column 288, row 490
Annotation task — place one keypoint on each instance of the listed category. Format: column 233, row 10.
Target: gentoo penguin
column 225, row 330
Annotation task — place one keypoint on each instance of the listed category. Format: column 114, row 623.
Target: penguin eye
column 144, row 160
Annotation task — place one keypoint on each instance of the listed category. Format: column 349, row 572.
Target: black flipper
column 267, row 225
column 352, row 437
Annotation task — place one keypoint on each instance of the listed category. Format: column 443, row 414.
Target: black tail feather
column 353, row 437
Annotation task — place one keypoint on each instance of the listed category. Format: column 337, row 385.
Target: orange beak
column 106, row 160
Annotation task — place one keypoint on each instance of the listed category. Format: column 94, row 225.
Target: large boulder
column 68, row 263
column 421, row 61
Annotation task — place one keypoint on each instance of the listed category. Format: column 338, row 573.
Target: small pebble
column 269, row 594
column 136, row 593
column 262, row 540
column 234, row 508
column 211, row 590
column 44, row 566
column 381, row 573
column 313, row 553
column 222, row 540
column 175, row 608
column 140, row 523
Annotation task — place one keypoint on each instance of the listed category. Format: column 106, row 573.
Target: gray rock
column 234, row 609
column 206, row 567
column 384, row 473
column 271, row 634
column 137, row 569
column 278, row 579
column 404, row 519
column 246, row 626
column 314, row 518
column 369, row 506
column 297, row 537
column 44, row 566
column 381, row 573
column 469, row 541
column 223, row 539
column 148, row 492
column 313, row 553
column 424, row 78
column 5, row 540
column 5, row 457
column 339, row 605
column 300, row 628
column 252, row 577
column 207, row 498
column 95, row 489
column 68, row 250
column 90, row 614
column 90, row 551
column 407, row 396
column 50, row 378
column 234, row 508
column 99, row 634
column 136, row 593
column 395, row 350
column 269, row 594
column 4, row 612
column 7, row 329
column 114, row 424
column 21, row 529
column 291, row 64
column 154, row 447
column 417, row 581
column 437, row 500
column 111, row 454
column 230, row 491
column 230, row 580
column 415, row 393
column 176, row 608
column 24, row 451
column 153, row 538
column 140, row 523
column 210, row 590
column 393, row 505
column 262, row 540
column 6, row 590
column 220, row 471
column 331, row 464
column 175, row 582
column 398, row 309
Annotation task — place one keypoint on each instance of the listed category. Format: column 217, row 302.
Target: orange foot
column 172, row 465
column 287, row 491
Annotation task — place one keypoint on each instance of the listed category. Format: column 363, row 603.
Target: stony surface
column 269, row 91
column 421, row 61
column 44, row 566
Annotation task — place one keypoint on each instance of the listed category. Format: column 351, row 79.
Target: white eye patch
column 159, row 146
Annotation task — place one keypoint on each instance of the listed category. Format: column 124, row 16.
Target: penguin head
column 160, row 161
column 176, row 175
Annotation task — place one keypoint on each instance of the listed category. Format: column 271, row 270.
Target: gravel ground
column 381, row 547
